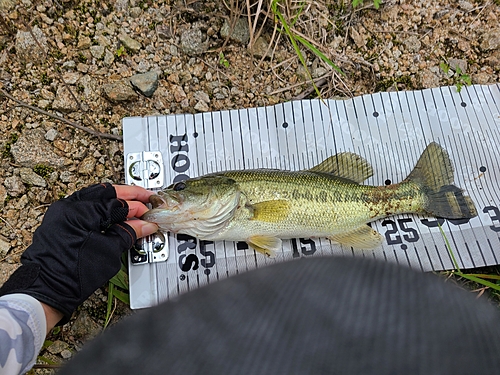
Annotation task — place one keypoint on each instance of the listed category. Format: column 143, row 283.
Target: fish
column 264, row 206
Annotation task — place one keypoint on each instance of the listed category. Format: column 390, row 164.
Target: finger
column 136, row 209
column 142, row 228
column 137, row 193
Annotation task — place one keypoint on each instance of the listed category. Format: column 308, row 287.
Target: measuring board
column 390, row 130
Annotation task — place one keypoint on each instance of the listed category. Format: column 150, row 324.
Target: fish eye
column 178, row 186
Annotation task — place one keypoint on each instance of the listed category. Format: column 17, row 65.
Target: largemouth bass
column 263, row 206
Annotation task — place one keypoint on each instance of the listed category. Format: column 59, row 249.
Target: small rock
column 413, row 44
column 261, row 48
column 359, row 39
column 239, row 33
column 109, row 58
column 26, row 47
column 4, row 247
column 97, row 51
column 28, row 176
column 51, row 135
column 179, row 94
column 465, row 5
column 47, row 94
column 121, row 5
column 490, row 40
column 145, row 83
column 6, row 270
column 3, row 195
column 44, row 103
column 119, row 91
column 71, row 77
column 428, row 79
column 64, row 102
column 66, row 354
column 84, row 42
column 31, row 149
column 458, row 63
column 129, row 43
column 69, row 65
column 135, row 12
column 14, row 186
column 87, row 165
column 84, row 327
column 202, row 96
column 7, row 4
column 67, row 177
column 57, row 347
column 193, row 41
column 202, row 106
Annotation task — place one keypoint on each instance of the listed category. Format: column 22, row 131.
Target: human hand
column 78, row 246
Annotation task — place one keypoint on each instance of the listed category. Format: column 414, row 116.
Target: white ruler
column 390, row 130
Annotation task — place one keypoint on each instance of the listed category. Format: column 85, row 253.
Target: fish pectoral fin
column 271, row 211
column 156, row 200
column 346, row 165
column 363, row 237
column 266, row 245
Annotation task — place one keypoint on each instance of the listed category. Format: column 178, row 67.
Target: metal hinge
column 150, row 249
column 145, row 169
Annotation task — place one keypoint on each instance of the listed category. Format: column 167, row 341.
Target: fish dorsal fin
column 271, row 211
column 347, row 165
column 363, row 237
column 266, row 245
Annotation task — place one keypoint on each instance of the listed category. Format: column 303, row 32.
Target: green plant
column 12, row 139
column 120, row 51
column 222, row 60
column 477, row 278
column 376, row 3
column 43, row 170
column 459, row 78
column 294, row 38
column 117, row 288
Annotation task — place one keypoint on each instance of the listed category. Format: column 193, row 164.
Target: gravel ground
column 126, row 57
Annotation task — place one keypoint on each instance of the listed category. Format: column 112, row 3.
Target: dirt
column 136, row 58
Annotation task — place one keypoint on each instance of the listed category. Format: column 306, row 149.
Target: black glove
column 76, row 249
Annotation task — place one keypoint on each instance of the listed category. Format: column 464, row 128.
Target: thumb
column 142, row 228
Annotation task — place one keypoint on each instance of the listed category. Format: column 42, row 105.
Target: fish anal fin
column 363, row 237
column 271, row 211
column 346, row 165
column 266, row 245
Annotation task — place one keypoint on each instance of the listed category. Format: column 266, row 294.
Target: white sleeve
column 22, row 332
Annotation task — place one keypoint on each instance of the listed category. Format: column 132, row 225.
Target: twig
column 304, row 94
column 20, row 103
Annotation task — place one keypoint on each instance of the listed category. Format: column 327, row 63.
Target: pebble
column 4, row 247
column 239, row 33
column 130, row 43
column 3, row 195
column 31, row 149
column 145, row 83
column 458, row 63
column 14, row 186
column 202, row 106
column 97, row 51
column 28, row 176
column 87, row 165
column 84, row 42
column 179, row 94
column 57, row 347
column 194, row 41
column 490, row 40
column 261, row 47
column 64, row 102
column 84, row 327
column 119, row 91
column 26, row 47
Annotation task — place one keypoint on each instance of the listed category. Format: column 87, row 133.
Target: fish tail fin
column 434, row 174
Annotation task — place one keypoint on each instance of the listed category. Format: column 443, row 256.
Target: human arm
column 77, row 248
